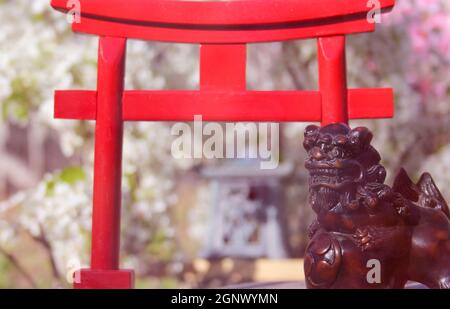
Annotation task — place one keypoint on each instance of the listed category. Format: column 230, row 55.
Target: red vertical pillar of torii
column 332, row 79
column 105, row 244
column 108, row 153
column 223, row 29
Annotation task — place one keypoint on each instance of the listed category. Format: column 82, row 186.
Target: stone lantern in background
column 244, row 220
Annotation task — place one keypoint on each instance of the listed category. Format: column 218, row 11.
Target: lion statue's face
column 340, row 157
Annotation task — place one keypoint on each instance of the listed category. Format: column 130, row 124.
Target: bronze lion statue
column 404, row 228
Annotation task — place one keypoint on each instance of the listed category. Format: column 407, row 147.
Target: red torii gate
column 223, row 28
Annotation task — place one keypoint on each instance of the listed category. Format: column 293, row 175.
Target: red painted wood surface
column 223, row 67
column 103, row 279
column 194, row 35
column 108, row 156
column 332, row 79
column 231, row 13
column 182, row 105
column 242, row 21
column 223, row 28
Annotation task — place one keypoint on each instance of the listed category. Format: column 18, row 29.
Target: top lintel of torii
column 222, row 22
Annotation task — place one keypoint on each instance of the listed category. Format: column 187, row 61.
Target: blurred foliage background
column 46, row 164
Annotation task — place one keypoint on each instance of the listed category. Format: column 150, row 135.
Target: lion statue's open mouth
column 334, row 174
column 339, row 157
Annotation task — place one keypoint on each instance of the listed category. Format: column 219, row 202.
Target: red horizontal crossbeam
column 195, row 35
column 224, row 13
column 182, row 105
column 240, row 21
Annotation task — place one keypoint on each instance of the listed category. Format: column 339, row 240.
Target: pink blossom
column 419, row 39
